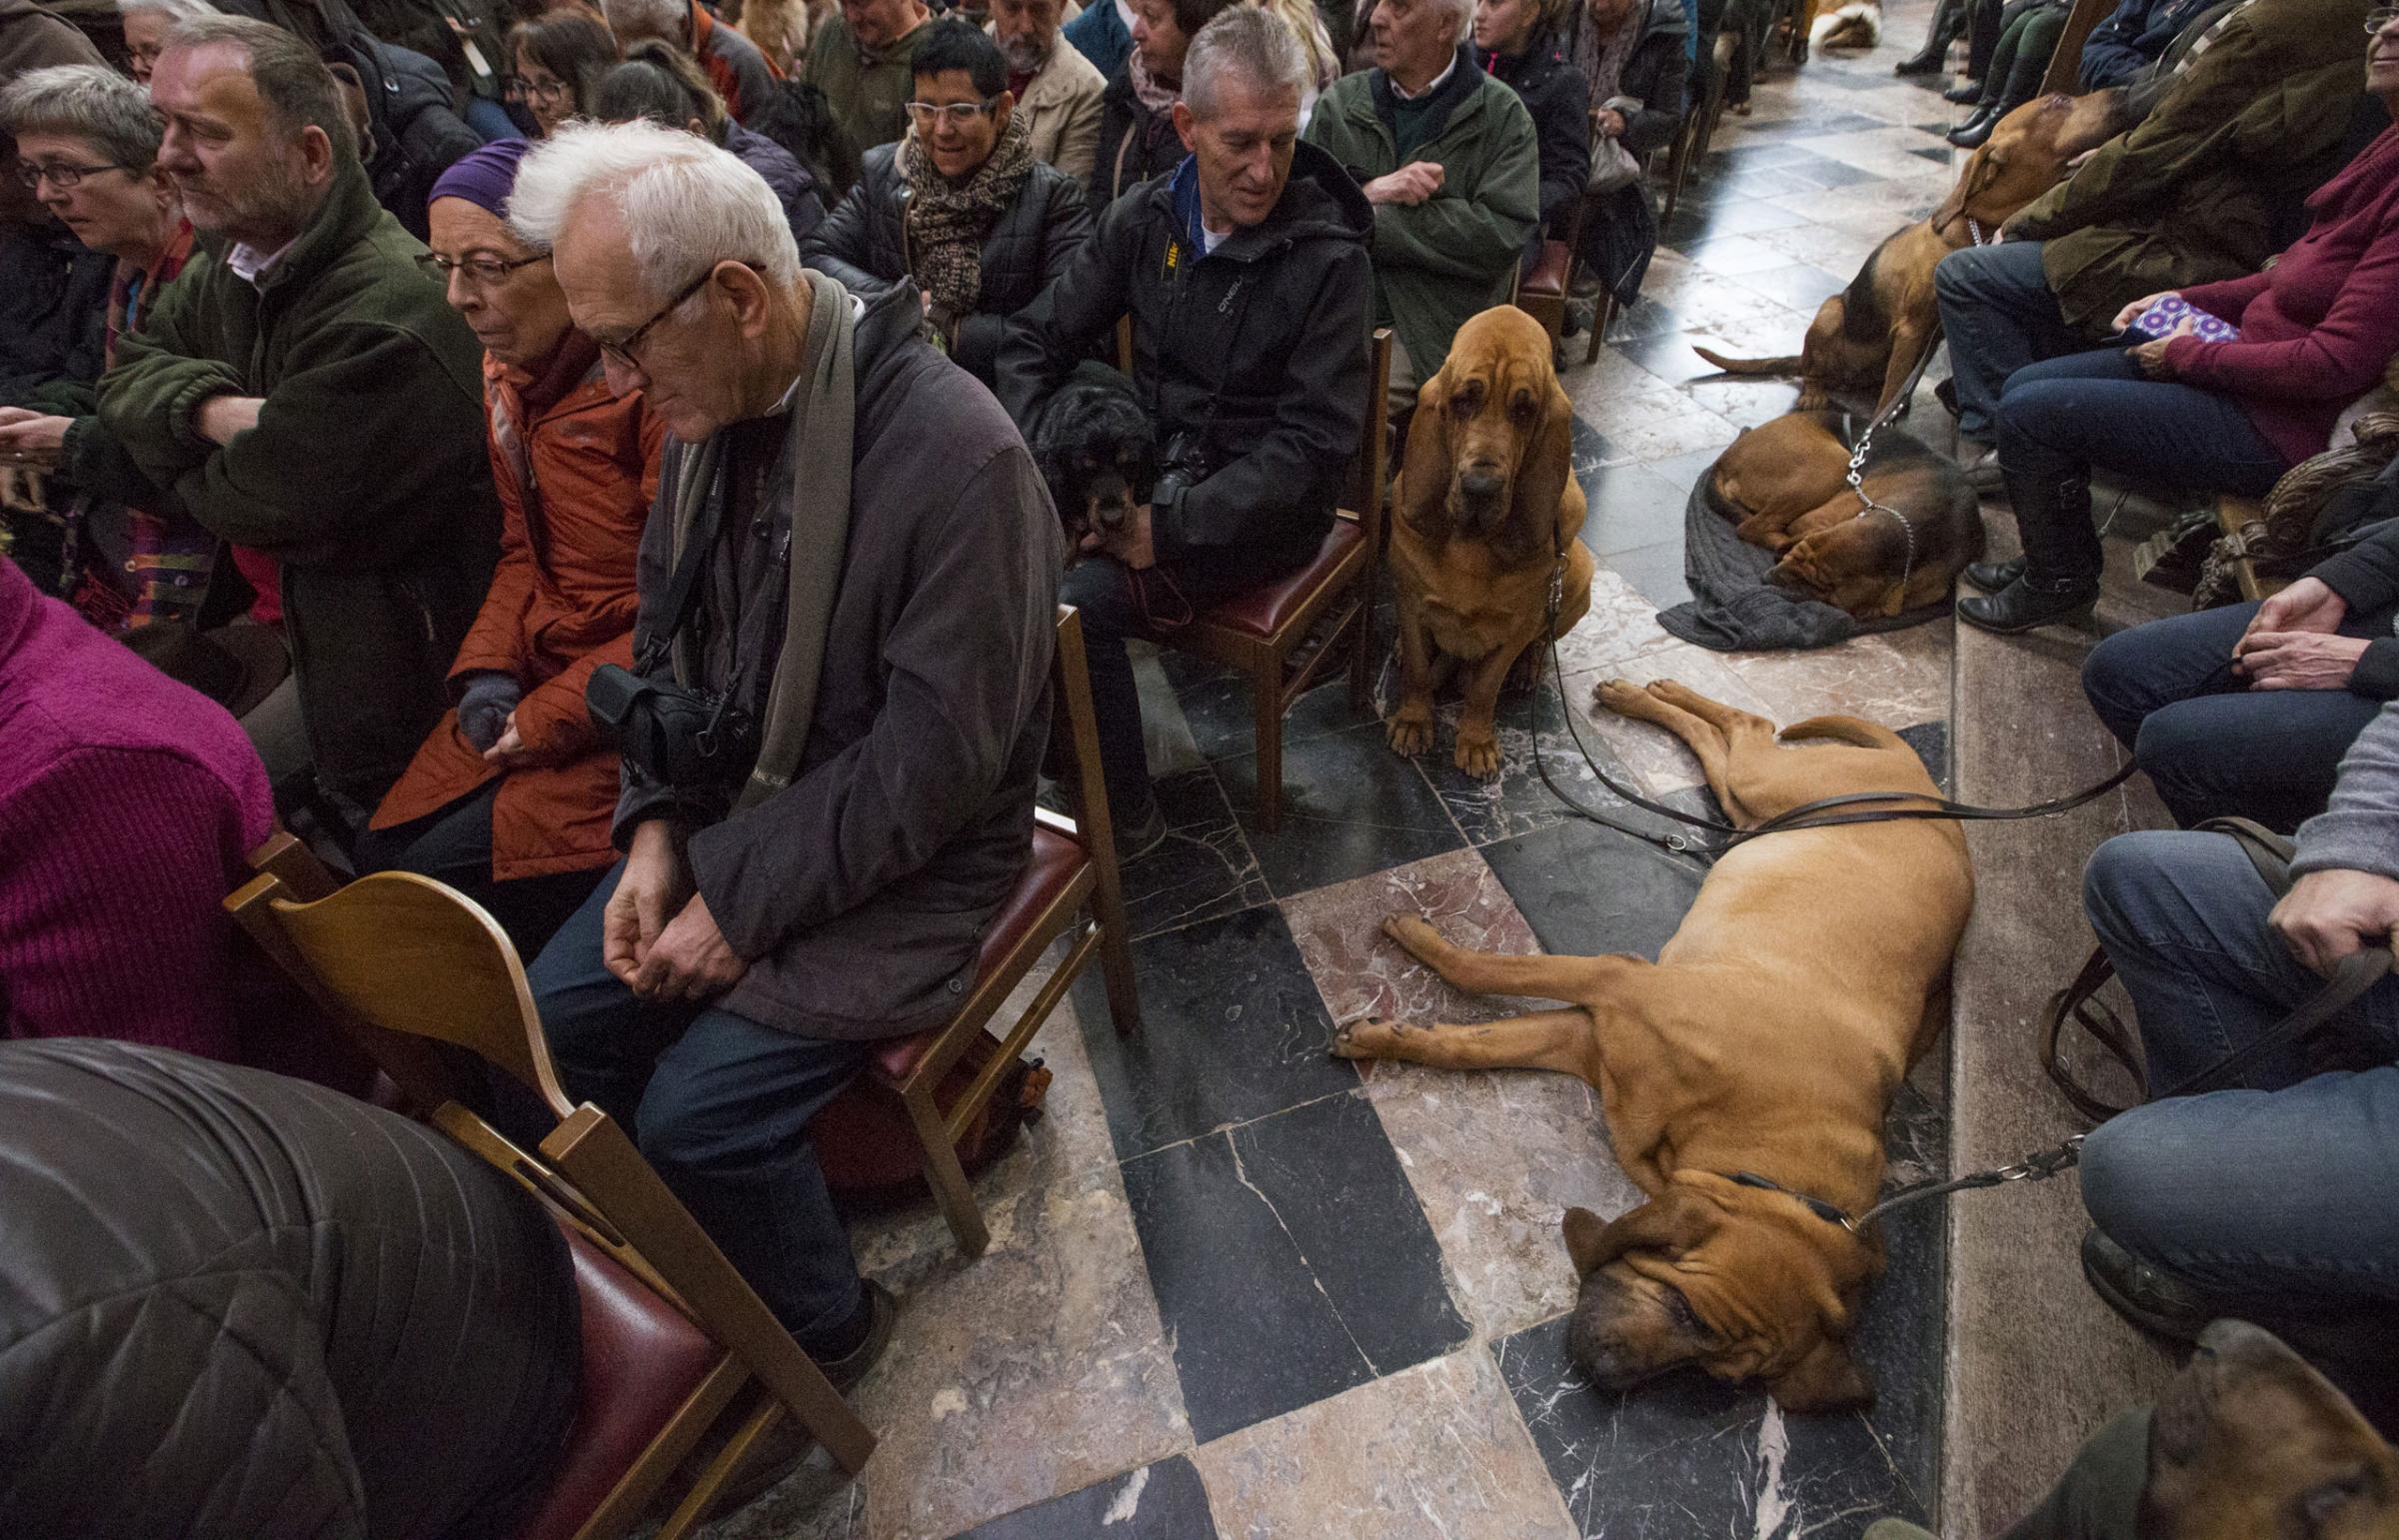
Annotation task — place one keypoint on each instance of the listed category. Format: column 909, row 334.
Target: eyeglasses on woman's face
column 928, row 115
column 2380, row 17
column 484, row 272
column 546, row 90
column 59, row 173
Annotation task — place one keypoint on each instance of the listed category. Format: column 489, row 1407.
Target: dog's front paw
column 1365, row 1038
column 1412, row 931
column 1622, row 696
column 1478, row 754
column 1410, row 731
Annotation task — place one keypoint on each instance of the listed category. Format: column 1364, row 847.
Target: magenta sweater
column 127, row 804
column 2318, row 327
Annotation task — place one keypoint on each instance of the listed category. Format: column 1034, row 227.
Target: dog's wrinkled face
column 1741, row 1290
column 1490, row 447
column 1099, row 454
column 1854, row 567
column 2249, row 1441
column 2026, row 156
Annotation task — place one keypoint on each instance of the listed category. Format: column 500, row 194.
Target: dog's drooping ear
column 1532, row 528
column 1676, row 1222
column 1424, row 470
column 1825, row 1379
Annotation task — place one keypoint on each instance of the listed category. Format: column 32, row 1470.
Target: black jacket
column 863, row 244
column 1257, row 349
column 52, row 309
column 1620, row 235
column 794, row 188
column 2366, row 576
column 1136, row 143
column 1559, row 99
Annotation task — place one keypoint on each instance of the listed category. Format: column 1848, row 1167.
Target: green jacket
column 2202, row 189
column 1452, row 256
column 367, row 476
column 869, row 94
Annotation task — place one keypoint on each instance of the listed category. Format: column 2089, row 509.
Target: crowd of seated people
column 376, row 479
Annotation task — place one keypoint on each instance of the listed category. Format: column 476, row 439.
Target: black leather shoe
column 2021, row 607
column 1965, row 93
column 2141, row 1294
column 1927, row 63
column 1991, row 576
column 1971, row 134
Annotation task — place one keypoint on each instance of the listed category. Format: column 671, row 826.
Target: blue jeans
column 721, row 1107
column 2210, row 744
column 2064, row 418
column 2281, row 1192
column 1998, row 315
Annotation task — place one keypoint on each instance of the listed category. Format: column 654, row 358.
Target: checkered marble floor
column 1238, row 1288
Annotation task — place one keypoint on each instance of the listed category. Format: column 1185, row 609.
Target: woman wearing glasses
column 559, row 57
column 510, row 796
column 959, row 206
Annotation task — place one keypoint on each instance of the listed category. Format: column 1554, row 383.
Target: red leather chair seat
column 1265, row 611
column 1055, row 861
column 641, row 1358
column 1549, row 274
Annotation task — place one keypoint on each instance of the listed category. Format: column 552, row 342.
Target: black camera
column 676, row 736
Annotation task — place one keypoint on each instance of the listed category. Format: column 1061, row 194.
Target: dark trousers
column 721, row 1106
column 1102, row 589
column 2064, row 418
column 2000, row 315
column 453, row 845
column 2022, row 57
column 2213, row 746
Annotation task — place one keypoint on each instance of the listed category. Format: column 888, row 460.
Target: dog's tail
column 1843, row 729
column 1786, row 365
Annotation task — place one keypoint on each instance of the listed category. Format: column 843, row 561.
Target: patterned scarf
column 947, row 221
column 1147, row 89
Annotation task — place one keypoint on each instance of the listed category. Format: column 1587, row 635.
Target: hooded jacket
column 859, row 893
column 1258, row 348
column 863, row 244
column 1439, row 262
column 2210, row 184
column 366, row 477
column 1559, row 99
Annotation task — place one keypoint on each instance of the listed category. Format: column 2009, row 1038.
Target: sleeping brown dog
column 2249, row 1441
column 1487, row 509
column 1782, row 485
column 1870, row 335
column 1763, row 1046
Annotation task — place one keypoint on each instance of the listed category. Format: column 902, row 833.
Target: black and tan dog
column 1784, row 486
column 1488, row 509
column 1098, row 451
column 1870, row 335
column 1746, row 1073
column 2248, row 1441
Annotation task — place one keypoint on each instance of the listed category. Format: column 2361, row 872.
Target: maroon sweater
column 127, row 804
column 2318, row 327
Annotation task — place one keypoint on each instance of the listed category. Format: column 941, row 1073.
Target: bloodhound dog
column 1745, row 1073
column 1487, row 515
column 2249, row 1441
column 1783, row 484
column 1870, row 335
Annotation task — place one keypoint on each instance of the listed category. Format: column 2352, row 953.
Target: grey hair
column 299, row 91
column 667, row 18
column 84, row 100
column 1255, row 45
column 685, row 204
column 1466, row 16
column 173, row 10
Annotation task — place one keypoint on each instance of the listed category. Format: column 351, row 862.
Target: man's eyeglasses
column 619, row 351
column 484, row 271
column 61, row 176
column 518, row 89
column 2380, row 17
column 956, row 114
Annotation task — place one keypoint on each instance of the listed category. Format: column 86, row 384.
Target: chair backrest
column 1078, row 726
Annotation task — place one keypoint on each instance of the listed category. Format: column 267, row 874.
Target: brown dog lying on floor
column 1488, row 509
column 1745, row 1073
column 2248, row 1441
column 1784, row 486
column 1870, row 335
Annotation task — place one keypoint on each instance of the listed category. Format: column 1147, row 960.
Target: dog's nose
column 1481, row 483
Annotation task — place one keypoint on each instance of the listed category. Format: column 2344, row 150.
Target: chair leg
column 947, row 1177
column 1362, row 651
column 1599, row 321
column 1266, row 689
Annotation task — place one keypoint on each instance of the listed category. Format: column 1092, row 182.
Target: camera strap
column 698, row 513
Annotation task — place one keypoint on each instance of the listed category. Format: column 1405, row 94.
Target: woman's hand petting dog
column 1128, row 543
column 2329, row 914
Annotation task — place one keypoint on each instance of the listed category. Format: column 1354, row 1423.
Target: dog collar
column 1830, row 1213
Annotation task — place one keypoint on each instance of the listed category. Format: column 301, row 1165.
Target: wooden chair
column 1542, row 292
column 1681, row 154
column 1258, row 634
column 1069, row 889
column 680, row 1357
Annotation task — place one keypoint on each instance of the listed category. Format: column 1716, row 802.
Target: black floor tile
column 1224, row 718
column 1291, row 1261
column 1807, row 124
column 1349, row 807
column 1519, row 800
column 1828, row 173
column 1204, row 869
column 1940, row 157
column 1645, row 318
column 1233, row 1028
column 1168, row 1502
column 1657, row 570
column 1631, row 506
column 1670, row 355
column 1585, row 889
column 1753, row 154
column 1930, row 740
column 1591, row 451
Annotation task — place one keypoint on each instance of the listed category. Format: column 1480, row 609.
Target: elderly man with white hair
column 1452, row 162
column 837, row 708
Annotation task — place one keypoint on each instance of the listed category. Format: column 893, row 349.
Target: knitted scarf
column 1147, row 89
column 947, row 221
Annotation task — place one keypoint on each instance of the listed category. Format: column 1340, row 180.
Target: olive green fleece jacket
column 1452, row 256
column 367, row 476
